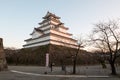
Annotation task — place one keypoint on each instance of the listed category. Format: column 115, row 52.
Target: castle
column 50, row 31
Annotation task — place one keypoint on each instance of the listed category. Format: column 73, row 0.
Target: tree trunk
column 74, row 66
column 75, row 61
column 113, row 69
column 51, row 67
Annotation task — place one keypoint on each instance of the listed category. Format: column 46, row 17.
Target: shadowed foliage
column 58, row 55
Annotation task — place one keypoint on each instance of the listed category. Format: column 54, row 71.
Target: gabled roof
column 50, row 14
column 38, row 30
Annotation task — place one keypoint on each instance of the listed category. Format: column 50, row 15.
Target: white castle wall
column 35, row 35
column 59, row 33
column 62, row 40
column 38, row 40
column 38, row 44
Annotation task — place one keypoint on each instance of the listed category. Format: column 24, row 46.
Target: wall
column 3, row 64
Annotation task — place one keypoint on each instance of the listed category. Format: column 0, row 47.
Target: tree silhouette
column 106, row 38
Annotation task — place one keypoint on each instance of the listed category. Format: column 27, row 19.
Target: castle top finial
column 48, row 11
column 50, row 14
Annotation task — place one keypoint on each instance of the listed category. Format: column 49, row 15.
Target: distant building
column 50, row 31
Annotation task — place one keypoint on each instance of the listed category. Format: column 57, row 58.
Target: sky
column 19, row 17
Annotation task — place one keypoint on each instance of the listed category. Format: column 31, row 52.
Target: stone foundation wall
column 3, row 63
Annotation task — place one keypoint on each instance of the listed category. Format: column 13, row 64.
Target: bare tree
column 106, row 38
column 73, row 51
column 81, row 44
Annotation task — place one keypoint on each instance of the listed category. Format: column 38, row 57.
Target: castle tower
column 50, row 31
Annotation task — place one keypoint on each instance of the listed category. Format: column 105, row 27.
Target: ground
column 38, row 73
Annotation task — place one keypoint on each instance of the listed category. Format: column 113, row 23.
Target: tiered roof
column 38, row 30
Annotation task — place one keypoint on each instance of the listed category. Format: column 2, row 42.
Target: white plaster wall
column 57, row 43
column 38, row 40
column 39, row 44
column 44, row 23
column 35, row 35
column 45, row 27
column 62, row 30
column 59, row 33
column 48, row 31
column 62, row 40
column 52, row 42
